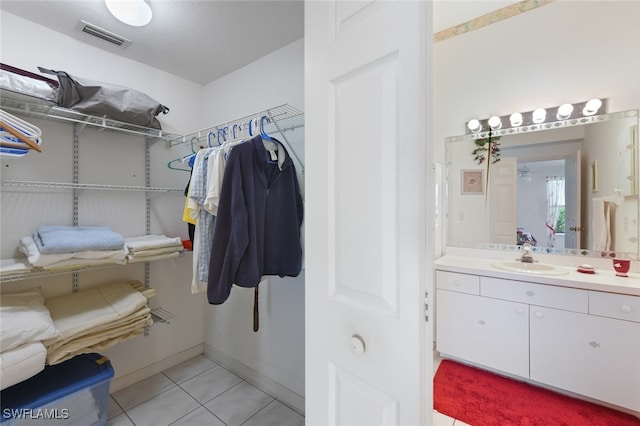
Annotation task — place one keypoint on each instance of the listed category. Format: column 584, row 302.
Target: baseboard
column 283, row 394
column 155, row 368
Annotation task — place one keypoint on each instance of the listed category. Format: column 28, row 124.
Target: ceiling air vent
column 103, row 34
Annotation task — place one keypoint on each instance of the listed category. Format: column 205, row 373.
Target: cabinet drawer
column 619, row 306
column 462, row 283
column 570, row 299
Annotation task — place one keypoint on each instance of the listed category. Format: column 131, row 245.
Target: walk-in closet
column 96, row 172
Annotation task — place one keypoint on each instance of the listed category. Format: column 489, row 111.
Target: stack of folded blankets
column 69, row 247
column 59, row 247
column 25, row 322
column 95, row 319
column 152, row 247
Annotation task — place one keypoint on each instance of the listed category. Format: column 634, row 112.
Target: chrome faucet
column 526, row 253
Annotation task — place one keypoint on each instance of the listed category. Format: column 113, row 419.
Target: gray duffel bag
column 104, row 99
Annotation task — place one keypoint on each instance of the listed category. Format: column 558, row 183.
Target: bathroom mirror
column 568, row 188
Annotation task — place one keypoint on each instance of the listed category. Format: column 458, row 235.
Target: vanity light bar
column 534, row 119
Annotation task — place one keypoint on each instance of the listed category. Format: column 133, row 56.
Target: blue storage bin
column 75, row 392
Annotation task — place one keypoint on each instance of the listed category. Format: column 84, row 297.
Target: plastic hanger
column 190, row 157
column 263, row 132
column 233, row 130
column 19, row 133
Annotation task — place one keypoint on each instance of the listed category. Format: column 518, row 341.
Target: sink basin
column 530, row 268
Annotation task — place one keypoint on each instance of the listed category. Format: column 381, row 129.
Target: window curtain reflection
column 555, row 199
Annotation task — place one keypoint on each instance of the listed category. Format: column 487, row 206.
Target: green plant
column 559, row 228
column 483, row 146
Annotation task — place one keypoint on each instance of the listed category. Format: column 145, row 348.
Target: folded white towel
column 21, row 363
column 14, row 266
column 146, row 242
column 24, row 319
column 28, row 246
column 134, row 259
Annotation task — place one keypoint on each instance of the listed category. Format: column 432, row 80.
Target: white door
column 503, row 188
column 572, row 223
column 367, row 163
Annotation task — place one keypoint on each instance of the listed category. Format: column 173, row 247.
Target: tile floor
column 197, row 392
column 200, row 392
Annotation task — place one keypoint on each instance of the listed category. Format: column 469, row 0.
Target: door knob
column 357, row 344
column 577, row 228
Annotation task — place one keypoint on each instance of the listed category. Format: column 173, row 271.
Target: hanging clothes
column 260, row 212
column 205, row 221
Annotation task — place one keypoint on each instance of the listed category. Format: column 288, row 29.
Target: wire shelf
column 278, row 119
column 161, row 316
column 50, row 111
column 87, row 186
column 43, row 273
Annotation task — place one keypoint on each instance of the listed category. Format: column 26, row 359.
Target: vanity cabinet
column 485, row 331
column 582, row 341
column 594, row 356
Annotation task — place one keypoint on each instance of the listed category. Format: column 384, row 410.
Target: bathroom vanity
column 559, row 328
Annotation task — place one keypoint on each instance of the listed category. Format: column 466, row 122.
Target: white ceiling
column 202, row 40
column 199, row 40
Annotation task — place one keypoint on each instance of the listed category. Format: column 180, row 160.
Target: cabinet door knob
column 481, row 322
column 626, row 308
column 519, row 310
column 594, row 345
column 456, row 283
column 539, row 314
column 530, row 293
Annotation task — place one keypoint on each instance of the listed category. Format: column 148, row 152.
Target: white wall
column 106, row 157
column 565, row 51
column 276, row 351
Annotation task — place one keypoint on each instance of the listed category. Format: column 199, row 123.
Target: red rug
column 480, row 398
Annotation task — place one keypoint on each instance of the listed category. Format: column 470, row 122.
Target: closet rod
column 282, row 118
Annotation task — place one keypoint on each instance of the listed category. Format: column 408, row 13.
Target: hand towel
column 598, row 225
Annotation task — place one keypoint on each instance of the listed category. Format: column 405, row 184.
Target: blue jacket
column 257, row 229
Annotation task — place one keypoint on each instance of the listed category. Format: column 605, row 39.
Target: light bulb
column 564, row 111
column 136, row 13
column 474, row 125
column 515, row 119
column 539, row 115
column 495, row 123
column 592, row 107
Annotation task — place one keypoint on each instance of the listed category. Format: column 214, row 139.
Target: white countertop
column 603, row 280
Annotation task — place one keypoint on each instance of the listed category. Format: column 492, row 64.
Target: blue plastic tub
column 75, row 392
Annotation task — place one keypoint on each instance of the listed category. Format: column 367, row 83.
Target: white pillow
column 23, row 319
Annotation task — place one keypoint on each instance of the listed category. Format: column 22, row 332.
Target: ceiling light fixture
column 136, row 13
column 563, row 115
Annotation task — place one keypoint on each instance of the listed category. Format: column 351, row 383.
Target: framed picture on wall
column 472, row 181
